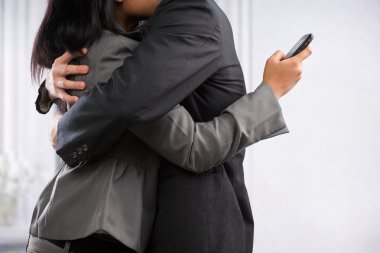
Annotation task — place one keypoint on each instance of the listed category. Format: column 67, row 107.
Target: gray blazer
column 112, row 195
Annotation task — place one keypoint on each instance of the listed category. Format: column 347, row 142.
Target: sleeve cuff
column 43, row 102
column 259, row 114
column 280, row 121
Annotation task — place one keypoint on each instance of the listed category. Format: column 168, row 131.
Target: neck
column 127, row 23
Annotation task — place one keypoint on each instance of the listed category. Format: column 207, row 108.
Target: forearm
column 199, row 146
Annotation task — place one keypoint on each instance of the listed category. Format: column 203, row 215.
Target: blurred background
column 316, row 189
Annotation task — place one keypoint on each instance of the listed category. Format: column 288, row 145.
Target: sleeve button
column 85, row 148
column 79, row 151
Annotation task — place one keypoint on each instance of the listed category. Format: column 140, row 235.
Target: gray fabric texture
column 108, row 194
column 116, row 193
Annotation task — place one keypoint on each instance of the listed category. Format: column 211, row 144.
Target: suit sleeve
column 199, row 146
column 180, row 51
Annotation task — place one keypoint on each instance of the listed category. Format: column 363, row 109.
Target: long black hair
column 69, row 25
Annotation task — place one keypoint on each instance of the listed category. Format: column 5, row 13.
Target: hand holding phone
column 281, row 75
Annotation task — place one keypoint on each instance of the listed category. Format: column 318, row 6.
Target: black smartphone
column 300, row 45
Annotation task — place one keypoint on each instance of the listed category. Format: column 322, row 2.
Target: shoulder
column 111, row 41
column 105, row 55
column 197, row 6
column 111, row 46
column 200, row 16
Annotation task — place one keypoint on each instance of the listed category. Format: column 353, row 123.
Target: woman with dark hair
column 106, row 206
column 71, row 25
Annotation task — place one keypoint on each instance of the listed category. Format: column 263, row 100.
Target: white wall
column 317, row 189
column 23, row 132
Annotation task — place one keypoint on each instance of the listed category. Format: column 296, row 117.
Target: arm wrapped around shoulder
column 180, row 50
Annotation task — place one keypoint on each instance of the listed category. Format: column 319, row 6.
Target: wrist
column 48, row 83
column 275, row 91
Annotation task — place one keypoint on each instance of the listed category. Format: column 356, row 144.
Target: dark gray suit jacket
column 186, row 57
column 123, row 181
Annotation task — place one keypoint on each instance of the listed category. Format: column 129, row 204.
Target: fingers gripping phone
column 300, row 45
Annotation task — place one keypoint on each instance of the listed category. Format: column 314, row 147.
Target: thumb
column 303, row 54
column 278, row 56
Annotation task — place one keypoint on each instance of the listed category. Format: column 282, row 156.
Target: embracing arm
column 180, row 51
column 199, row 146
column 194, row 146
